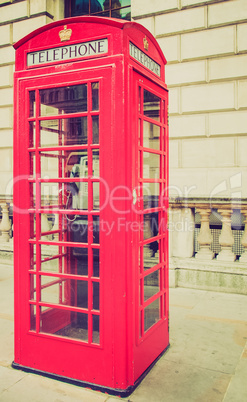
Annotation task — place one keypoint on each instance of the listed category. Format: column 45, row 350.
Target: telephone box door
column 152, row 287
column 63, row 303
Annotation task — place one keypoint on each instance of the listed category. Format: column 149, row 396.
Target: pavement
column 206, row 361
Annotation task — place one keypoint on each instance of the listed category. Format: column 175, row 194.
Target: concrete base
column 204, row 254
column 209, row 275
column 226, row 254
column 243, row 258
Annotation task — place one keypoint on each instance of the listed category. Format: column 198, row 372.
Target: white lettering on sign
column 79, row 50
column 144, row 59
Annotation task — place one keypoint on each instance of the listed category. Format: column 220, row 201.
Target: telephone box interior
column 90, row 203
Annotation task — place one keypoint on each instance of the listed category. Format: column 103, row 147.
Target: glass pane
column 96, row 187
column 32, row 162
column 32, row 256
column 96, row 329
column 104, row 14
column 95, row 122
column 151, row 314
column 150, row 195
column 151, row 166
column 125, row 13
column 32, row 104
column 150, row 225
column 32, row 134
column 81, row 260
column 115, row 13
column 77, row 164
column 82, row 294
column 32, row 192
column 125, row 3
column 52, row 164
column 95, row 6
column 71, row 228
column 54, row 227
column 139, row 99
column 150, row 255
column 78, row 329
column 55, row 132
column 55, row 259
column 32, row 226
column 140, row 132
column 96, row 172
column 151, row 285
column 71, row 99
column 50, row 289
column 52, row 263
column 96, row 272
column 32, row 317
column 78, row 230
column 79, row 7
column 95, row 96
column 76, row 131
column 53, row 194
column 151, row 105
column 96, row 228
column 69, row 292
column 59, row 164
column 105, row 4
column 64, row 323
column 32, row 287
column 96, row 295
column 151, row 135
column 140, row 326
column 77, row 167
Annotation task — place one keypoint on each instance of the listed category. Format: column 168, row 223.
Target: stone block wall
column 205, row 43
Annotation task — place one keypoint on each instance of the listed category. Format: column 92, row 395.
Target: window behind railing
column 237, row 227
column 100, row 8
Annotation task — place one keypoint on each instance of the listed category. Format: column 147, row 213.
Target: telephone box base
column 123, row 393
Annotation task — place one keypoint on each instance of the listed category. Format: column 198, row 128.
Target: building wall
column 205, row 43
column 17, row 19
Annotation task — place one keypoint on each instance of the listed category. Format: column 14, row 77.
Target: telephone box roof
column 111, row 22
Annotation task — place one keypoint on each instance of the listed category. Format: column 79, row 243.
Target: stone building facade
column 205, row 44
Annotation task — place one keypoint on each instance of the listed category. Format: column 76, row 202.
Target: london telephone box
column 90, row 203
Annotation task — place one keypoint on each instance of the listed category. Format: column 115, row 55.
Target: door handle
column 134, row 195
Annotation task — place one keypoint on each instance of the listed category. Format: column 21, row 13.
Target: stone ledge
column 209, row 275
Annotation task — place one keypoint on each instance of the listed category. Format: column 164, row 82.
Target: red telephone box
column 90, row 203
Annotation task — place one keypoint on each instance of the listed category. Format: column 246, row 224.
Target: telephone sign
column 62, row 53
column 90, row 203
column 145, row 60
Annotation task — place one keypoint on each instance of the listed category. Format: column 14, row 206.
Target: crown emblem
column 145, row 43
column 65, row 34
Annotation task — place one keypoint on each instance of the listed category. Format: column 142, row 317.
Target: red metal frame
column 115, row 354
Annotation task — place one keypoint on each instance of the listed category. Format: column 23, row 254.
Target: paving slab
column 201, row 336
column 6, row 342
column 9, row 377
column 220, row 305
column 206, row 361
column 237, row 390
column 39, row 389
column 170, row 381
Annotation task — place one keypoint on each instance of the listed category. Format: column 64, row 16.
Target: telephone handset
column 79, row 190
